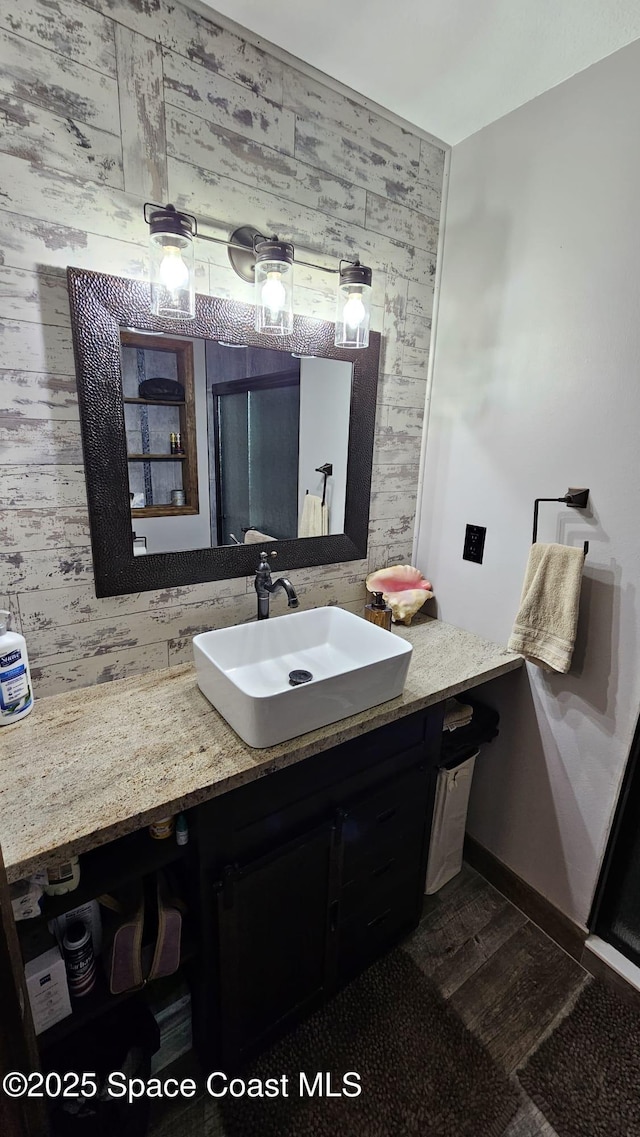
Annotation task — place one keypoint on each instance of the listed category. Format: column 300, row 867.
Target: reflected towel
column 315, row 518
column 255, row 537
column 545, row 627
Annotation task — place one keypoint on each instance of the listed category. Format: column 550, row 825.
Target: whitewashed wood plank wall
column 108, row 103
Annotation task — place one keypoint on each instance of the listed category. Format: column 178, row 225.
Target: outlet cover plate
column 474, row 543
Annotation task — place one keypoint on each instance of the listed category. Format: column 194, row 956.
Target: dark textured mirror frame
column 100, row 306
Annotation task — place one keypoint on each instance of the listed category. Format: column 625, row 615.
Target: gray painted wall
column 536, row 389
column 105, row 106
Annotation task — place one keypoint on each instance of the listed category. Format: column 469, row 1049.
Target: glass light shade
column 173, row 293
column 274, row 297
column 353, row 307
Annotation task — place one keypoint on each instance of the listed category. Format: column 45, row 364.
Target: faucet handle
column 264, row 566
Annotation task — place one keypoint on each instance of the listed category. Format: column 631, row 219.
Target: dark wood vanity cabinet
column 293, row 884
column 308, row 875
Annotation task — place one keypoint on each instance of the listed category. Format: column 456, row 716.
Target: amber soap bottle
column 378, row 612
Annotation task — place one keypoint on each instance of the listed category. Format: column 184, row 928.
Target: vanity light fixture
column 267, row 262
column 274, row 287
column 353, row 307
column 173, row 292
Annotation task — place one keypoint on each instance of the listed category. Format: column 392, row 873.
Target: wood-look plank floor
column 529, row 1122
column 515, row 996
column 506, row 980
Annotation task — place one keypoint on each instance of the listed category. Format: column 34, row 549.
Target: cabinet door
column 273, row 931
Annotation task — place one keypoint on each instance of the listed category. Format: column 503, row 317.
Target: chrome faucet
column 265, row 587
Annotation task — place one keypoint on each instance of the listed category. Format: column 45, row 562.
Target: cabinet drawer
column 375, row 928
column 394, row 813
column 381, row 874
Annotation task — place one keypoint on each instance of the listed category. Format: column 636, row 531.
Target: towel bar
column 576, row 498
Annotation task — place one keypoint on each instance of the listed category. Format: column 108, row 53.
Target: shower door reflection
column 257, row 457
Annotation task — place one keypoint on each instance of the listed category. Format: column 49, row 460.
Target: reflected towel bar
column 576, row 498
column 326, row 470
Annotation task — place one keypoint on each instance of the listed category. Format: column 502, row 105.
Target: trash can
column 467, row 724
column 449, row 822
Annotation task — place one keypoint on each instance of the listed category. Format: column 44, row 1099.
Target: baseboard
column 613, row 969
column 570, row 936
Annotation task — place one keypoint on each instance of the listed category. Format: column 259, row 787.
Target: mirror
column 229, row 445
column 205, row 442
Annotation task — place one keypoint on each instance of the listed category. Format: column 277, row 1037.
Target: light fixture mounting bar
column 240, row 247
column 242, row 239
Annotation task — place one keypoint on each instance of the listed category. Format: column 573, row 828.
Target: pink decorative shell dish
column 404, row 589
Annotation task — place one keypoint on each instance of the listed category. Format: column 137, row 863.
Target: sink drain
column 296, row 678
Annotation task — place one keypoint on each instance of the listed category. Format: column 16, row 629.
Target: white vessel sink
column 244, row 671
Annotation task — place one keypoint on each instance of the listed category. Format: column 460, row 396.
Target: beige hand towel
column 545, row 627
column 255, row 537
column 315, row 517
column 456, row 714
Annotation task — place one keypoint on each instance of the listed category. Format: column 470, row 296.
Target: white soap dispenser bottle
column 16, row 692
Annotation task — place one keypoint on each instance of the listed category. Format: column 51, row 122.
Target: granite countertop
column 92, row 765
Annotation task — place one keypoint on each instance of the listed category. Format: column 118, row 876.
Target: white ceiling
column 448, row 66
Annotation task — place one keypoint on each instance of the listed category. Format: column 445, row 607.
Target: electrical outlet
column 474, row 543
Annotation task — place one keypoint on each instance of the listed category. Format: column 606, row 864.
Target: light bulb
column 273, row 295
column 173, row 272
column 354, row 310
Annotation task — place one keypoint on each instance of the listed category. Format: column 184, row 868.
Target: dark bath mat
column 421, row 1071
column 585, row 1077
